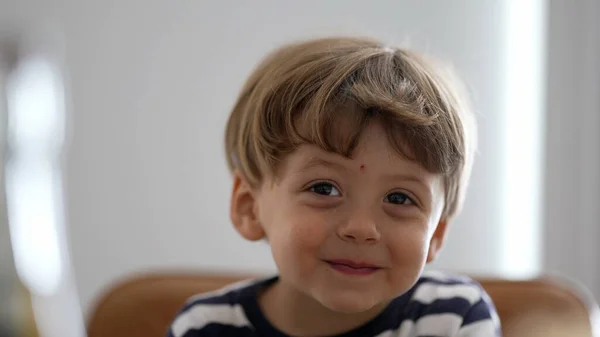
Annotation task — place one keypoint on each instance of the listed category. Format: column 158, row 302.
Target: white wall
column 152, row 83
column 572, row 179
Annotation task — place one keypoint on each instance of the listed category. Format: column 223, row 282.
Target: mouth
column 350, row 267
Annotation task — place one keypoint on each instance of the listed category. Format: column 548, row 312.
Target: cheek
column 306, row 229
column 298, row 234
column 408, row 246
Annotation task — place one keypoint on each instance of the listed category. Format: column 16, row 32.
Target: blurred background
column 134, row 162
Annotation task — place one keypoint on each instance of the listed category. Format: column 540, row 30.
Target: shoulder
column 215, row 313
column 452, row 303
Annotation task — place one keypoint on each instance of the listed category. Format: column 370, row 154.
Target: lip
column 350, row 267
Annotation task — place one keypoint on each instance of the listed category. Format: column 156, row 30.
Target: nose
column 360, row 228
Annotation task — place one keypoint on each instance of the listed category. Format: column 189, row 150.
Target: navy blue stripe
column 478, row 312
column 231, row 297
column 220, row 330
column 227, row 298
column 449, row 281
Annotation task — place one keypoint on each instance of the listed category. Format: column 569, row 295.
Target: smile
column 349, row 267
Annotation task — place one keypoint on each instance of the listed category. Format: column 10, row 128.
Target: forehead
column 373, row 153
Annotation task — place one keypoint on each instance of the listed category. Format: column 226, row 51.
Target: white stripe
column 485, row 328
column 426, row 293
column 445, row 277
column 200, row 315
column 430, row 325
column 436, row 275
column 438, row 325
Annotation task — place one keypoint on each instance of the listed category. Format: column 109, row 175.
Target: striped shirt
column 437, row 305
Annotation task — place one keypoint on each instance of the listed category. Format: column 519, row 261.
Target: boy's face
column 349, row 233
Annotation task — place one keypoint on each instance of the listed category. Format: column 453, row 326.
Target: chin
column 347, row 303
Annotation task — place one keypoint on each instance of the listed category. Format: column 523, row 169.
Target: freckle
column 362, row 168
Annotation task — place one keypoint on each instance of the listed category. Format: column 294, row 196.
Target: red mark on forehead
column 362, row 168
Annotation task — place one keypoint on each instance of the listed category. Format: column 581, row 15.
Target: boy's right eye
column 325, row 189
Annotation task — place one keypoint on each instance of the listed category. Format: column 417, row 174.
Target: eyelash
column 406, row 198
column 312, row 187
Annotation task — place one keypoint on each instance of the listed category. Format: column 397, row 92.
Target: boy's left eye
column 398, row 198
column 324, row 188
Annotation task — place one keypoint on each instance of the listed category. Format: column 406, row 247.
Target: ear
column 243, row 209
column 437, row 240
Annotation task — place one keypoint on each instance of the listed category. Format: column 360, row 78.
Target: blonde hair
column 302, row 91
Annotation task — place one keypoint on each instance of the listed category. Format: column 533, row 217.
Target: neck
column 297, row 314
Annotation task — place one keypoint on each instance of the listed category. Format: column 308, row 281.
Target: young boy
column 350, row 158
